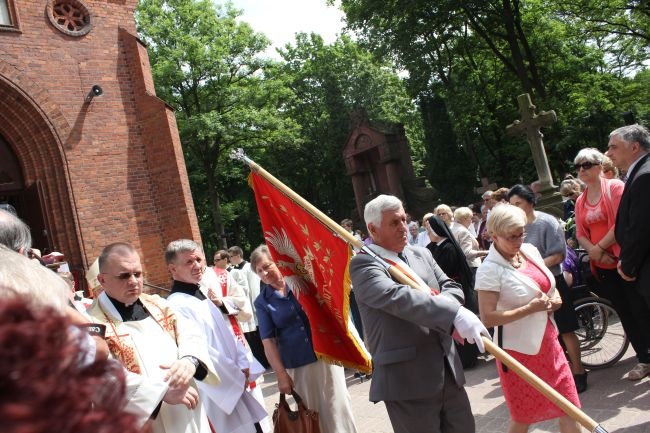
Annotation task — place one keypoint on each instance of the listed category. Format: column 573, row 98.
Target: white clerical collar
column 108, row 307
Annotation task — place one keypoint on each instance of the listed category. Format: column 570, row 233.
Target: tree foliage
column 475, row 57
column 330, row 82
column 208, row 67
column 291, row 116
column 449, row 71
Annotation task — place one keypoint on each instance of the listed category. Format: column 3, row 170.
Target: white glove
column 470, row 327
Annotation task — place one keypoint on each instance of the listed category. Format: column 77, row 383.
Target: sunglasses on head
column 585, row 165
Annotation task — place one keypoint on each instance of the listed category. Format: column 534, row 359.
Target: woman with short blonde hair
column 516, row 293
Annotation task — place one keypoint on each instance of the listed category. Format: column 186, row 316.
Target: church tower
column 89, row 155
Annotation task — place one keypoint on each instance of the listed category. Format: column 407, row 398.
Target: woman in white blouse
column 516, row 294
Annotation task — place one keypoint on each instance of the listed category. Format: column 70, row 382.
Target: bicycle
column 603, row 341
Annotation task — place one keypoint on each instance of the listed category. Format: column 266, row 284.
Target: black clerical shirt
column 240, row 266
column 188, row 289
column 130, row 313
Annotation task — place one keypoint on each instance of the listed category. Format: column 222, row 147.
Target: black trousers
column 631, row 308
column 255, row 343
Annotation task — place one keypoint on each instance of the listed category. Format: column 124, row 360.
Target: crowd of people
column 193, row 361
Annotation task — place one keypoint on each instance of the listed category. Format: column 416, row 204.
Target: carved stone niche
column 377, row 157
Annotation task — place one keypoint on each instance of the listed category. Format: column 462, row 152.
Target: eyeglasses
column 127, row 275
column 585, row 165
column 515, row 238
column 220, row 258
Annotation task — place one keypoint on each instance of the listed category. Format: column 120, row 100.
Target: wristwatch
column 193, row 360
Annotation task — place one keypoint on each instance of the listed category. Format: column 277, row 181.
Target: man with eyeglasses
column 161, row 351
column 226, row 293
column 417, row 371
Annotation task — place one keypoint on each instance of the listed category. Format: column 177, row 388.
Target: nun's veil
column 467, row 278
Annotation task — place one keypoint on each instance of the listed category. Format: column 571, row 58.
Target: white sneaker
column 639, row 372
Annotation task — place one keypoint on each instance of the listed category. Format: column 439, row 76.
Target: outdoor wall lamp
column 96, row 90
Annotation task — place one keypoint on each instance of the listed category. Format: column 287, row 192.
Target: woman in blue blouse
column 286, row 336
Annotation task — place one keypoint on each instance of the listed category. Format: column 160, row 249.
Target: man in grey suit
column 417, row 372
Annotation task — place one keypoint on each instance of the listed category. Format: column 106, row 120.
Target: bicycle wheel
column 602, row 338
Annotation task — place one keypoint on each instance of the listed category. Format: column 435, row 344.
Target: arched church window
column 71, row 17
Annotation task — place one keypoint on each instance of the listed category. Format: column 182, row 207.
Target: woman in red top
column 595, row 220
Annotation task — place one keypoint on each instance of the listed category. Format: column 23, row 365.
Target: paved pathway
column 620, row 406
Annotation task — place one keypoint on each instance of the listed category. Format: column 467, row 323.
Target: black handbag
column 303, row 420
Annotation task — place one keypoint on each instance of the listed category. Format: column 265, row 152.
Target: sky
column 280, row 20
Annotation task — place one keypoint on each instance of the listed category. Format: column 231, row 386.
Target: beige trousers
column 323, row 388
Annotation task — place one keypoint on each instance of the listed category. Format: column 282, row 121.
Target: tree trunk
column 513, row 43
column 215, row 207
column 530, row 57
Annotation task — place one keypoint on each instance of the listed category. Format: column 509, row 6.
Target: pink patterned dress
column 526, row 404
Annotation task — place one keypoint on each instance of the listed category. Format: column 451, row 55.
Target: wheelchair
column 602, row 339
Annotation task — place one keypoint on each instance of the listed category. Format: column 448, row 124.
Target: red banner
column 314, row 262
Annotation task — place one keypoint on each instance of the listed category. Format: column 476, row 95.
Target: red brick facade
column 112, row 169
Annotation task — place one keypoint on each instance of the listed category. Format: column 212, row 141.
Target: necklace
column 517, row 261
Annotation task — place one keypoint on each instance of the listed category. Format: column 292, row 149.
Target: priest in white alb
column 164, row 355
column 231, row 406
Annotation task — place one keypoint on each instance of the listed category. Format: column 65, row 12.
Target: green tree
column 208, row 67
column 329, row 83
column 475, row 57
column 437, row 26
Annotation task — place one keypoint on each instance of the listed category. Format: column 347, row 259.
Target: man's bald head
column 121, row 249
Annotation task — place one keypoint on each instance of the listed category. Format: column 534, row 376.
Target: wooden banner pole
column 567, row 407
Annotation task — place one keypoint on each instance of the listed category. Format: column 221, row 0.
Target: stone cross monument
column 530, row 125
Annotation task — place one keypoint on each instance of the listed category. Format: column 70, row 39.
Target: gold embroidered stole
column 118, row 339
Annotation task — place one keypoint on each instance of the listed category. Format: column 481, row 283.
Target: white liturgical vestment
column 230, row 406
column 155, row 346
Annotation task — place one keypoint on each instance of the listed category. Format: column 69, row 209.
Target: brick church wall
column 113, row 168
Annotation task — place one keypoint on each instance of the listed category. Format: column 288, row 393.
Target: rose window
column 71, row 17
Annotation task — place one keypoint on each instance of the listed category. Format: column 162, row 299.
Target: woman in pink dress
column 517, row 295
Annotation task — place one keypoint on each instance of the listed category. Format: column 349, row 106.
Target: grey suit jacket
column 408, row 332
